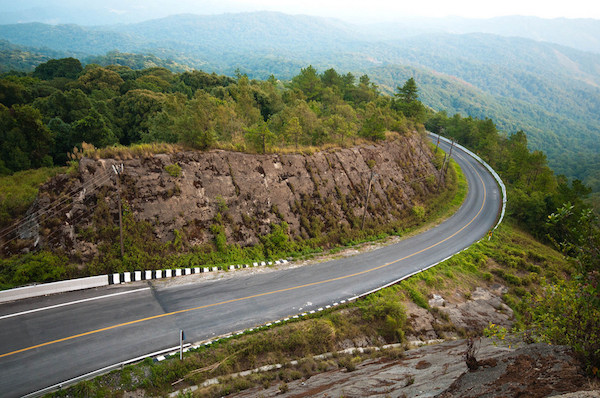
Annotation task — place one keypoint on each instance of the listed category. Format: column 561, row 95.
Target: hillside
column 582, row 34
column 548, row 90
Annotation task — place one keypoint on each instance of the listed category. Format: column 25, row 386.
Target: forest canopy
column 45, row 114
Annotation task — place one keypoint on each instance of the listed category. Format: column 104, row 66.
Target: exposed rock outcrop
column 246, row 193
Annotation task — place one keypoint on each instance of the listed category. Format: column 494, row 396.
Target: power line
column 57, row 202
column 53, row 207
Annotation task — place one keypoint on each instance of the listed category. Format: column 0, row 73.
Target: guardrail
column 487, row 166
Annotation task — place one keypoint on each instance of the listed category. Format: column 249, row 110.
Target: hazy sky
column 434, row 8
column 351, row 10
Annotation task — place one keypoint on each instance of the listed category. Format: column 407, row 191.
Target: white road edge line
column 98, row 372
column 71, row 303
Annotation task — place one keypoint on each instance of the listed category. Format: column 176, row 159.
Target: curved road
column 47, row 340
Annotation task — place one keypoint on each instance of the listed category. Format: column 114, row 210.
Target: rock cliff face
column 189, row 192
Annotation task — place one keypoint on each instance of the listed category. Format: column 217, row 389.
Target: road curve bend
column 49, row 340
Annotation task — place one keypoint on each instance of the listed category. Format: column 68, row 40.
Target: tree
column 568, row 312
column 13, row 92
column 309, row 83
column 25, row 142
column 70, row 106
column 96, row 78
column 576, row 233
column 374, row 123
column 409, row 92
column 408, row 100
column 293, row 130
column 330, row 78
column 94, row 130
column 260, row 136
column 65, row 67
column 133, row 111
column 246, row 105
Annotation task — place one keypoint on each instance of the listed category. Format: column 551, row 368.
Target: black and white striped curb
column 135, row 276
column 90, row 282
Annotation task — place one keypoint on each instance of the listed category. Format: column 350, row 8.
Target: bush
column 174, row 170
column 38, row 267
column 387, row 311
column 568, row 313
column 418, row 212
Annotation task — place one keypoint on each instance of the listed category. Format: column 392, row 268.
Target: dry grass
column 120, row 152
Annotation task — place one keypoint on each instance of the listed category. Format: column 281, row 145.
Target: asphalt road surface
column 48, row 340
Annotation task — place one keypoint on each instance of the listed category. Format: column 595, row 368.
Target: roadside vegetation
column 119, row 112
column 512, row 258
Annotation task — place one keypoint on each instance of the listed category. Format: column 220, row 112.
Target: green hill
column 552, row 92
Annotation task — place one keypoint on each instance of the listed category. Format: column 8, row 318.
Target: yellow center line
column 259, row 294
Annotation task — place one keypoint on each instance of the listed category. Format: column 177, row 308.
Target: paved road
column 48, row 340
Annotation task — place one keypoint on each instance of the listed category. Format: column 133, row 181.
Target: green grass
column 18, row 191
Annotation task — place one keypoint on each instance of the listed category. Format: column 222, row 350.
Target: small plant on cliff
column 174, row 170
column 277, row 241
column 418, row 212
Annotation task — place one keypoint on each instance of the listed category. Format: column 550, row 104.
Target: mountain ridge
column 550, row 91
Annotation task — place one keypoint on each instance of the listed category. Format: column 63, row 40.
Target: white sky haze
column 349, row 10
column 382, row 9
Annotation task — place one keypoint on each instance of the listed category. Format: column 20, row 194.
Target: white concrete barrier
column 53, row 287
column 105, row 280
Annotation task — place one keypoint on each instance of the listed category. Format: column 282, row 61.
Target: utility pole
column 438, row 140
column 362, row 224
column 449, row 155
column 118, row 171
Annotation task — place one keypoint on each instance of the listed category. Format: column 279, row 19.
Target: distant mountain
column 19, row 58
column 72, row 39
column 550, row 91
column 581, row 34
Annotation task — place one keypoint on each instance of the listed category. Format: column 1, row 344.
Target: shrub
column 568, row 313
column 418, row 212
column 386, row 309
column 174, row 170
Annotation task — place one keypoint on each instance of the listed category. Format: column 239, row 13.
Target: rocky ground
column 440, row 371
column 509, row 368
